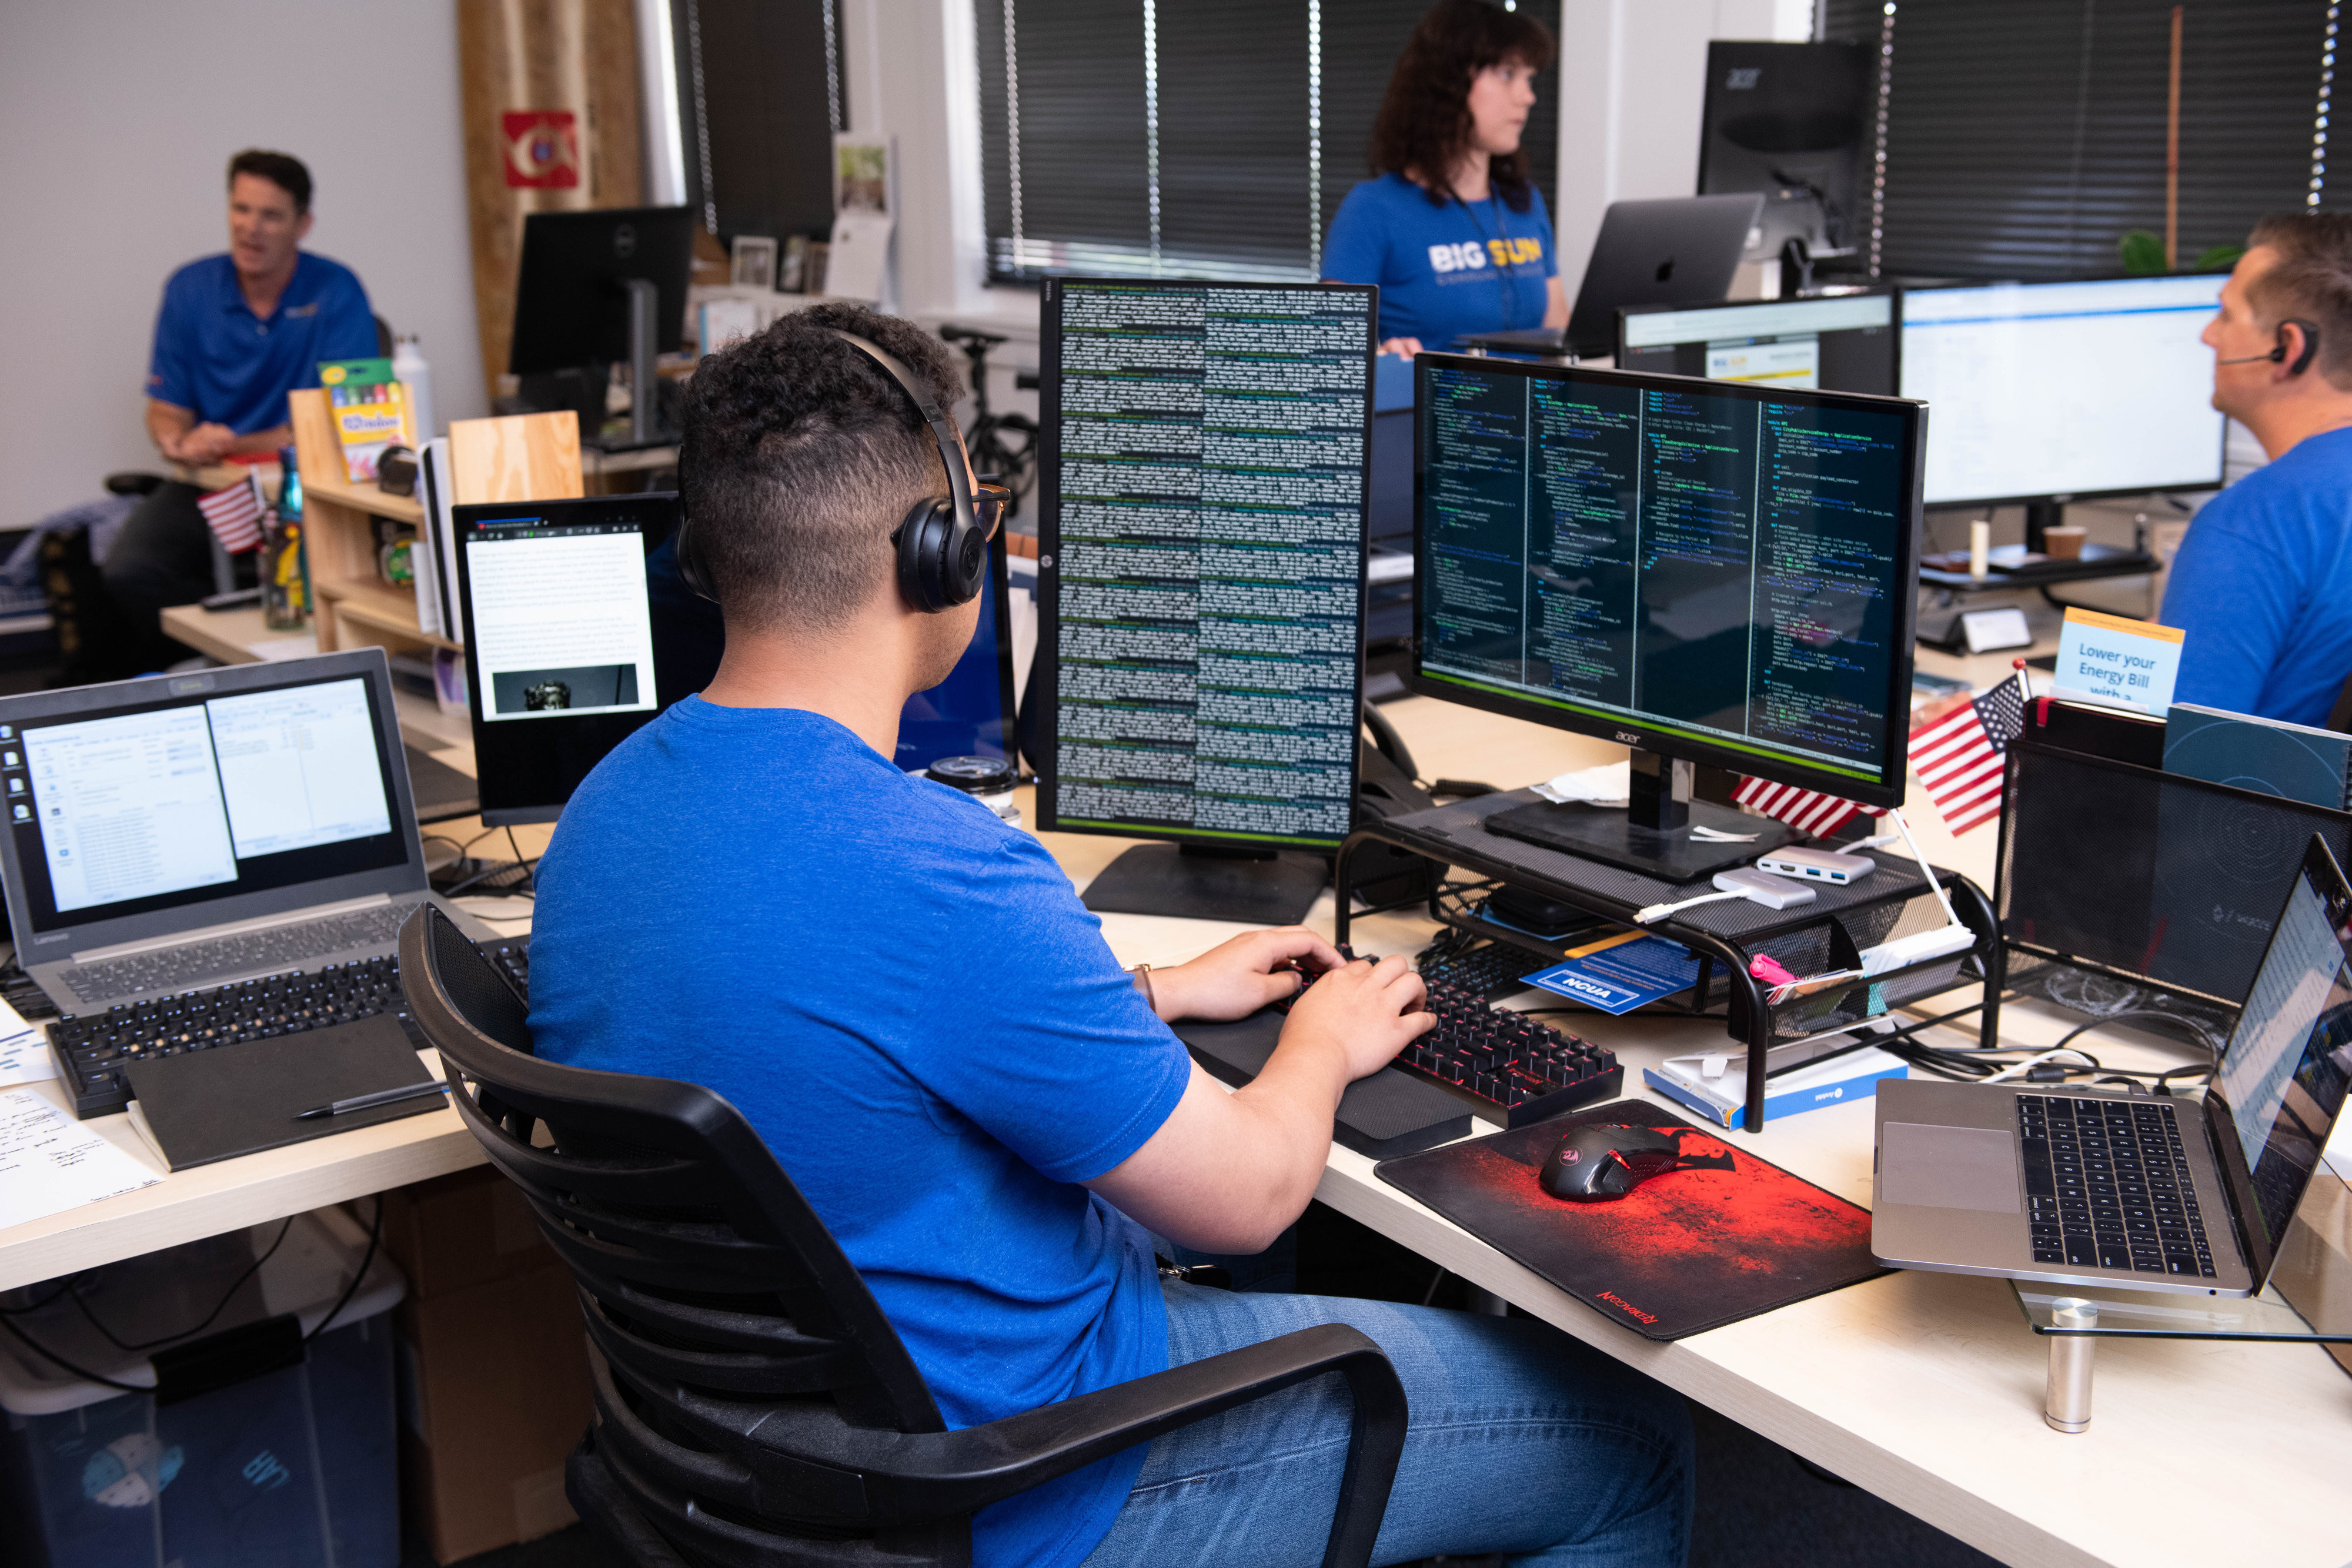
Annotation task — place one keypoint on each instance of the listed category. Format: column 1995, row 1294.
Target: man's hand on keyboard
column 1365, row 1012
column 1235, row 979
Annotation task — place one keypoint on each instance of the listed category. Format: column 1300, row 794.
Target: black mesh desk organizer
column 1811, row 938
column 2159, row 881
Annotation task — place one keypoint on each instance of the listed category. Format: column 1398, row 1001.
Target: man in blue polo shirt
column 237, row 332
column 2262, row 585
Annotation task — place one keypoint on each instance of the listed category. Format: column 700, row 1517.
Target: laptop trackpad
column 1948, row 1167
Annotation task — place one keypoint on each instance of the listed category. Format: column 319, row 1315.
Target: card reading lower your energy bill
column 1621, row 973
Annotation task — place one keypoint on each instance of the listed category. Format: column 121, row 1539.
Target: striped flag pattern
column 1957, row 754
column 1807, row 811
column 234, row 515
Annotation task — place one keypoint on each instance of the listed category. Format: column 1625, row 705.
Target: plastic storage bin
column 252, row 1454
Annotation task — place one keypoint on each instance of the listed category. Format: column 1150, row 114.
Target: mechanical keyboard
column 93, row 1049
column 2107, row 1186
column 172, row 969
column 1526, row 1070
column 1491, row 969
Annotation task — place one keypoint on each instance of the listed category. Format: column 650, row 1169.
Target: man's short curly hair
column 799, row 456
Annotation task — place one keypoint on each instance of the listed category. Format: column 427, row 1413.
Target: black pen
column 367, row 1102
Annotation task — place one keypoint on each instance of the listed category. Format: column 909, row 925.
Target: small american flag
column 1958, row 752
column 1807, row 811
column 235, row 514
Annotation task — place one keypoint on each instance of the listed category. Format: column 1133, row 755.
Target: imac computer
column 2046, row 392
column 1706, row 571
column 579, row 630
column 1200, row 584
column 1838, row 343
column 598, row 288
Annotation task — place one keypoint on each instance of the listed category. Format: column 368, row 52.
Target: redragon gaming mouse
column 1602, row 1161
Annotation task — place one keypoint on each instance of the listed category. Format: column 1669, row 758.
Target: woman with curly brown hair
column 1453, row 231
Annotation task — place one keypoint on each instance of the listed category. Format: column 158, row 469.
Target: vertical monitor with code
column 1706, row 571
column 1201, row 562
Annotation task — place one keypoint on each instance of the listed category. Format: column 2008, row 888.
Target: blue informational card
column 1622, row 973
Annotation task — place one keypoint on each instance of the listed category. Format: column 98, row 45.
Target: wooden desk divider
column 533, row 456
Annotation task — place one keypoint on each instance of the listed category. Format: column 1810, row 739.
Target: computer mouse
column 1601, row 1161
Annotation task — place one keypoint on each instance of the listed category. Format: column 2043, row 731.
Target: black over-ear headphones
column 2278, row 354
column 942, row 545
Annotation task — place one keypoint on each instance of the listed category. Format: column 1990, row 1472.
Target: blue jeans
column 1521, row 1441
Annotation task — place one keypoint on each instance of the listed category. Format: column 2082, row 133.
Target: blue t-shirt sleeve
column 171, row 376
column 1056, row 1055
column 1356, row 250
column 348, row 328
column 1542, row 216
column 2232, row 596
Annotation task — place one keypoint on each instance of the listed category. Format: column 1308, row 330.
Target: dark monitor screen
column 1200, row 563
column 1703, row 570
column 1842, row 342
column 570, row 306
column 2093, row 388
column 579, row 630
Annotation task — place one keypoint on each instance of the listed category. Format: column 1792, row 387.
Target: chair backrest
column 700, row 1262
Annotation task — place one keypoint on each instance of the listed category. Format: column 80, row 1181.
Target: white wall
column 119, row 118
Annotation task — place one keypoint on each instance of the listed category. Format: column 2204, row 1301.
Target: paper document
column 24, row 1049
column 50, row 1163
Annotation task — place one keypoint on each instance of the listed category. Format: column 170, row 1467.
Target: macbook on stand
column 2147, row 1192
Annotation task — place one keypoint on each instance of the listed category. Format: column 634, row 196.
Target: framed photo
column 754, row 263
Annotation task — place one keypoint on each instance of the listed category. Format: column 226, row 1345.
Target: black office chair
column 753, row 1406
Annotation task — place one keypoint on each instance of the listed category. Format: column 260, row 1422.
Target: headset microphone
column 2278, row 354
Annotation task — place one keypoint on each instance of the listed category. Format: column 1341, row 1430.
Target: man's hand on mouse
column 1364, row 1011
column 1233, row 979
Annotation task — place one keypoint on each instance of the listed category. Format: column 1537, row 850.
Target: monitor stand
column 1199, row 882
column 1653, row 834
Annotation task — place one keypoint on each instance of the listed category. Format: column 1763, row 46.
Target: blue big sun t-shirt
column 905, row 996
column 1442, row 271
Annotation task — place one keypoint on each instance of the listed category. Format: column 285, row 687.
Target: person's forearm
column 1282, row 1140
column 165, row 424
column 275, row 438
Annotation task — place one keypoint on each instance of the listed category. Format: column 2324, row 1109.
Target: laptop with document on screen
column 192, row 829
column 2039, row 1182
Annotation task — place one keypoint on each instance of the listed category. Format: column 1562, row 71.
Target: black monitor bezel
column 536, row 327
column 1045, row 678
column 511, row 802
column 1892, row 782
column 1891, row 292
column 2221, row 459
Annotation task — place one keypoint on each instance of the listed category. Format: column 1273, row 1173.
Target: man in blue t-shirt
column 1453, row 232
column 235, row 333
column 2262, row 585
column 904, row 996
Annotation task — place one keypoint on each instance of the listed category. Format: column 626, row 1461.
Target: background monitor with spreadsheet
column 1200, row 559
column 1708, row 571
column 2044, row 390
column 1842, row 342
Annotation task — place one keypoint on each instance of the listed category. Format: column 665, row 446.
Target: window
column 1195, row 138
column 759, row 94
column 2023, row 138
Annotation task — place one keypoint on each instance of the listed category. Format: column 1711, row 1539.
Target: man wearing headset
column 2262, row 585
column 905, row 996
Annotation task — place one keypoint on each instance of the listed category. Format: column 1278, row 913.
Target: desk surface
column 1924, row 1388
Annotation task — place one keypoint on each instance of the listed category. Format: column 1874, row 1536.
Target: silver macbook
column 2066, row 1186
column 1683, row 250
column 181, row 832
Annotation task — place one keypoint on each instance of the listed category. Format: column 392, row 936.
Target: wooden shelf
column 362, row 498
column 378, row 606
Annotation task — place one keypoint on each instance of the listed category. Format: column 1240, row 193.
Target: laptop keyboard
column 172, row 969
column 2107, row 1186
column 95, row 1048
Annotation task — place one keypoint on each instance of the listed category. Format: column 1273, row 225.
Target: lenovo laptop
column 2147, row 1192
column 181, row 832
column 1681, row 251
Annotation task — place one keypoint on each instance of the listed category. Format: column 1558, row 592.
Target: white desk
column 1924, row 1388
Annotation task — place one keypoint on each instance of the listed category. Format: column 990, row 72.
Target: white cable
column 1658, row 912
column 1950, row 918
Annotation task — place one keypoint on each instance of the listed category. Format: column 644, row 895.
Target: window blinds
column 1189, row 138
column 2023, row 138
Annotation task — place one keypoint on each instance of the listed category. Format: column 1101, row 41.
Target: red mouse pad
column 1692, row 1250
